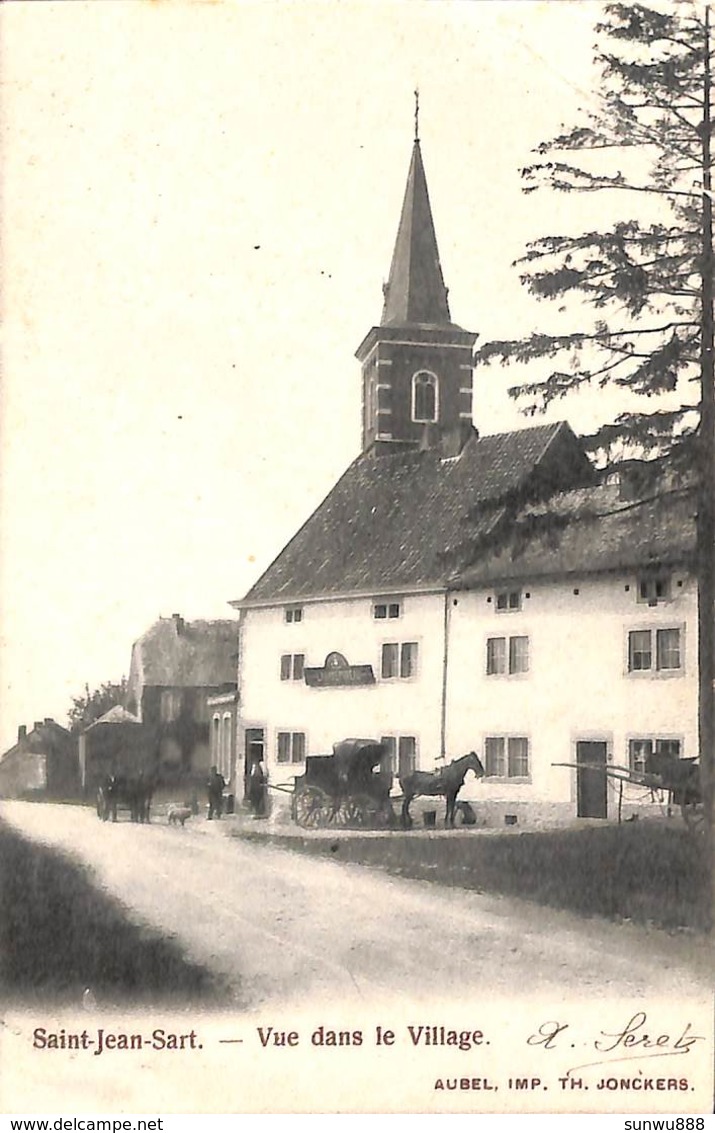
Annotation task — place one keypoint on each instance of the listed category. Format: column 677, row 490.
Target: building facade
column 176, row 667
column 413, row 608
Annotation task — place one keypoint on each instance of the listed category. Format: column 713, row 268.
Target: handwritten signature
column 635, row 1037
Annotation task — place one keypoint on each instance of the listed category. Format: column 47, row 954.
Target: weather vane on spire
column 417, row 115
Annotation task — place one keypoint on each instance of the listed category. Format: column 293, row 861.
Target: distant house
column 42, row 764
column 176, row 667
column 115, row 743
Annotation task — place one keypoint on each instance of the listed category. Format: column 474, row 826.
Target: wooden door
column 591, row 781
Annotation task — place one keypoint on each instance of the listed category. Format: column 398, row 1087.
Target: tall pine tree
column 643, row 287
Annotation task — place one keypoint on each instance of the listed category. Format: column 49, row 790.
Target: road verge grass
column 642, row 872
column 60, row 934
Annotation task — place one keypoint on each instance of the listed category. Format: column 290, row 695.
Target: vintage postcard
column 356, row 712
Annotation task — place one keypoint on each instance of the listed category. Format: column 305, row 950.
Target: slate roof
column 415, row 292
column 390, row 520
column 593, row 530
column 199, row 654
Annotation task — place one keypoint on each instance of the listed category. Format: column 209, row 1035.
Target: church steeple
column 417, row 364
column 415, row 292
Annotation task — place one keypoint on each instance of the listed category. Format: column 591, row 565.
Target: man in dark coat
column 215, row 787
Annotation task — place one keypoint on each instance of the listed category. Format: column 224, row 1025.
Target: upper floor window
column 506, row 757
column 425, row 389
column 654, row 650
column 170, row 707
column 399, row 660
column 653, row 588
column 508, row 600
column 292, row 666
column 293, row 614
column 291, row 747
column 640, row 749
column 383, row 610
column 507, row 655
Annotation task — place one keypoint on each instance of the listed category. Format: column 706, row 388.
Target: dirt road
column 286, row 928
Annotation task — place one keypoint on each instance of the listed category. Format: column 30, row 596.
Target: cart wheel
column 693, row 813
column 312, row 807
column 363, row 812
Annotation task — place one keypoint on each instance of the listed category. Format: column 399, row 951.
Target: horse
column 133, row 792
column 448, row 781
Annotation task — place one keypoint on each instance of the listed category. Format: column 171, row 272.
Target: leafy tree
column 93, row 704
column 643, row 285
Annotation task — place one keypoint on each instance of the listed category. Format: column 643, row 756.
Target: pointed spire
column 415, row 292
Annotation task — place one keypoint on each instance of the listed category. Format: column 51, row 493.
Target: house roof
column 415, row 292
column 391, row 521
column 45, row 733
column 115, row 715
column 199, row 654
column 591, row 530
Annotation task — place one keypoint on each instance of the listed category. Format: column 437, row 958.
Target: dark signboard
column 337, row 673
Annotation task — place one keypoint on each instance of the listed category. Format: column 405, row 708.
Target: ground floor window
column 224, row 763
column 400, row 755
column 215, row 740
column 642, row 747
column 291, row 747
column 507, row 757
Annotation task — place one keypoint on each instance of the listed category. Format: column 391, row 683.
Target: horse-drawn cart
column 346, row 789
column 678, row 779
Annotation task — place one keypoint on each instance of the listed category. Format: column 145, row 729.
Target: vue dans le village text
column 599, row 1054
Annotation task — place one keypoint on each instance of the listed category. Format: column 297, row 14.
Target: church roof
column 391, row 521
column 415, row 292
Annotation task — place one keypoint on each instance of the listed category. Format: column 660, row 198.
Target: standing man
column 215, row 787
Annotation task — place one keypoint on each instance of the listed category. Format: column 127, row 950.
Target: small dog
column 176, row 813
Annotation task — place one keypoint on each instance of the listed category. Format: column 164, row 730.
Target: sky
column 200, row 202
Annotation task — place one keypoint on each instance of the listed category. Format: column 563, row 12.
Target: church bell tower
column 417, row 364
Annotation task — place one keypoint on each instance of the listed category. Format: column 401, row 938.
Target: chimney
column 21, row 732
column 178, row 624
column 49, row 720
column 37, row 724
